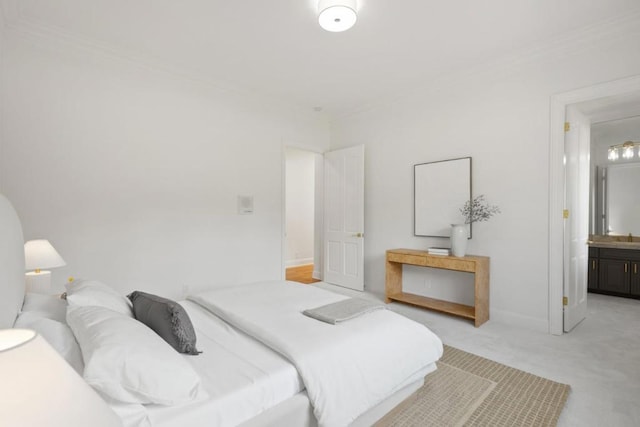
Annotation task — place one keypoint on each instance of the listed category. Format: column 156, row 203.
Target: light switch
column 245, row 205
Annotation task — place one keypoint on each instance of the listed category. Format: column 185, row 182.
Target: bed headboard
column 12, row 284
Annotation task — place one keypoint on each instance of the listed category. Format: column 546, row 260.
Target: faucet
column 630, row 238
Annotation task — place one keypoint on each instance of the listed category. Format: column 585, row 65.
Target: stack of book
column 439, row 251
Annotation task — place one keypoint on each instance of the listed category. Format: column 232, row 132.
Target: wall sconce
column 626, row 149
column 40, row 388
column 40, row 255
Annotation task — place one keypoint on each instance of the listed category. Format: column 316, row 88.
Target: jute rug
column 469, row 390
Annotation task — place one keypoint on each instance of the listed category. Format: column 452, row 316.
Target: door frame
column 557, row 261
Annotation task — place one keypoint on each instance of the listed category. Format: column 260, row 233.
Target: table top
column 419, row 252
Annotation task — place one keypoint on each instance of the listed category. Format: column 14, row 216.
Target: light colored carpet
column 469, row 390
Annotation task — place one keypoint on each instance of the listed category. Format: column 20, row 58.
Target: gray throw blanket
column 343, row 310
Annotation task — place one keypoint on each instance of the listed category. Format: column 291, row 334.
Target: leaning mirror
column 440, row 190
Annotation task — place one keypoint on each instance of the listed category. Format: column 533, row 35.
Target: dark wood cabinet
column 592, row 275
column 614, row 275
column 614, row 271
column 635, row 279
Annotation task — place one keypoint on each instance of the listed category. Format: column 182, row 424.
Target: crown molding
column 58, row 39
column 581, row 39
column 569, row 43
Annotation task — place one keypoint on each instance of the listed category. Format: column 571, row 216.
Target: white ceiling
column 275, row 47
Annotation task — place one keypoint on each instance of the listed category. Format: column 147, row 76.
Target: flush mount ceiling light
column 337, row 15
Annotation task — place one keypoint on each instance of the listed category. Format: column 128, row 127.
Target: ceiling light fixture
column 627, row 149
column 337, row 15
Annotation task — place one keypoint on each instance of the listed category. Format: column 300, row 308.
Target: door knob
column 358, row 235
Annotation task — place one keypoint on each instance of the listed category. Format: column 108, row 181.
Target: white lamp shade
column 39, row 388
column 337, row 15
column 39, row 254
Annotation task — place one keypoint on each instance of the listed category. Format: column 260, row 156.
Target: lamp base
column 39, row 283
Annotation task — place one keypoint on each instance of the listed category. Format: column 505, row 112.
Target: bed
column 262, row 362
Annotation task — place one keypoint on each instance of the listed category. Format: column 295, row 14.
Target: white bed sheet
column 384, row 351
column 242, row 377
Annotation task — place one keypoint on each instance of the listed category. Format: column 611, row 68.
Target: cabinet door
column 635, row 278
column 614, row 275
column 592, row 277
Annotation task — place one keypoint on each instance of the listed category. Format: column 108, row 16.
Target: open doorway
column 303, row 215
column 597, row 104
column 324, row 192
column 614, row 251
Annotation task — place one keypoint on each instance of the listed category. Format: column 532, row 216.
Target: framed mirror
column 618, row 200
column 440, row 190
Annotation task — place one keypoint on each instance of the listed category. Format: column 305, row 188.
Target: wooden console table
column 478, row 265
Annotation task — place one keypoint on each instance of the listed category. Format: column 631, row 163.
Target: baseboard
column 317, row 274
column 525, row 322
column 299, row 262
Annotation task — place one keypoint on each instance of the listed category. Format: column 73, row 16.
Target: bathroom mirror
column 619, row 200
column 440, row 190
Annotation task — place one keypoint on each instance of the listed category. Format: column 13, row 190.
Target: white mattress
column 242, row 377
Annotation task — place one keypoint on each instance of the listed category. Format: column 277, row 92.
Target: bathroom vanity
column 614, row 267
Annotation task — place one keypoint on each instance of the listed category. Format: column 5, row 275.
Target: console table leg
column 393, row 282
column 482, row 293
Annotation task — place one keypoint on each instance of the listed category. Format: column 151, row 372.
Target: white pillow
column 92, row 292
column 128, row 362
column 49, row 306
column 57, row 334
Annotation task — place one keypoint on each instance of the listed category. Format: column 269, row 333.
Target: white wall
column 133, row 173
column 300, row 206
column 498, row 113
column 2, row 95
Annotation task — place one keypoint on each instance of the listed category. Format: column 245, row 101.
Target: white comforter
column 346, row 368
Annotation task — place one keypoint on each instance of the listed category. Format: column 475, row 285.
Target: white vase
column 458, row 239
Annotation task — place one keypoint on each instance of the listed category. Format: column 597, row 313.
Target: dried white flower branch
column 478, row 210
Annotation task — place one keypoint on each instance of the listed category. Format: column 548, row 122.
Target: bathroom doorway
column 600, row 103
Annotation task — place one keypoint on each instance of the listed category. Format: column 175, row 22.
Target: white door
column 576, row 226
column 344, row 217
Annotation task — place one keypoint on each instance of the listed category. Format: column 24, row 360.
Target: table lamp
column 38, row 256
column 39, row 388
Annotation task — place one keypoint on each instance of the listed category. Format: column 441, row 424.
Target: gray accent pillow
column 167, row 318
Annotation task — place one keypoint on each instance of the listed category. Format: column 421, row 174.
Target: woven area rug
column 469, row 390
